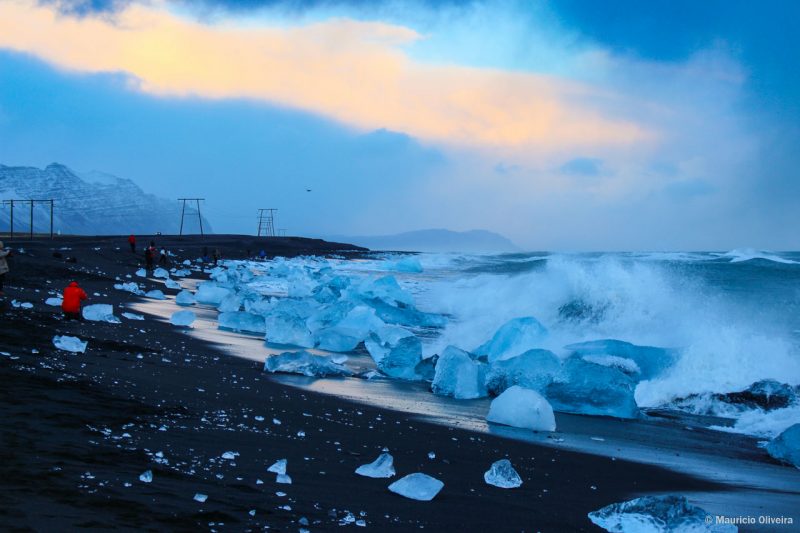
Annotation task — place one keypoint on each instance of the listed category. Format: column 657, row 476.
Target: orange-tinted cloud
column 354, row 72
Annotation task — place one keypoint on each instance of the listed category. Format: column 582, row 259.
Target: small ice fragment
column 171, row 284
column 502, row 474
column 182, row 318
column 100, row 313
column 431, row 455
column 230, row 456
column 55, row 302
column 280, row 494
column 70, row 344
column 301, row 433
column 185, row 298
column 523, row 408
column 155, row 295
column 259, row 418
column 361, row 523
column 160, row 273
column 252, row 512
column 142, row 273
column 417, row 486
column 283, row 478
column 133, row 316
column 146, row 476
column 382, row 467
column 200, row 497
column 278, row 467
column 276, row 421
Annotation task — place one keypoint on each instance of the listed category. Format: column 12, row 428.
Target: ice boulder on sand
column 381, row 467
column 288, row 329
column 458, row 375
column 55, row 302
column 232, row 302
column 100, row 313
column 786, row 446
column 210, row 293
column 402, row 359
column 590, row 389
column 657, row 514
column 69, row 344
column 185, row 298
column 513, row 338
column 305, row 363
column 502, row 474
column 417, row 486
column 241, row 321
column 172, row 284
column 534, row 369
column 130, row 287
column 349, row 331
column 650, row 360
column 522, row 408
column 155, row 295
column 142, row 273
column 182, row 318
column 160, row 273
column 381, row 341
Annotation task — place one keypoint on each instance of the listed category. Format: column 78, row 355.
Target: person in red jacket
column 73, row 296
column 132, row 242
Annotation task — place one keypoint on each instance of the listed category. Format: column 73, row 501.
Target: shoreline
column 184, row 384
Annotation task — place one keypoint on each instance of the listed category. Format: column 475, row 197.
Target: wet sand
column 79, row 429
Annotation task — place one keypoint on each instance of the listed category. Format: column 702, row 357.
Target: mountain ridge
column 434, row 240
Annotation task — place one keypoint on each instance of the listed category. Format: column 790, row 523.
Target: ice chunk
column 230, row 456
column 210, row 293
column 590, row 389
column 786, row 446
column 402, row 359
column 155, row 294
column 502, row 474
column 515, row 337
column 306, row 364
column 381, row 341
column 278, row 467
column 200, row 497
column 417, row 486
column 133, row 316
column 534, row 369
column 146, row 476
column 288, row 329
column 657, row 514
column 407, row 264
column 142, row 273
column 232, row 302
column 55, row 302
column 182, row 272
column 283, row 478
column 160, row 273
column 241, row 321
column 623, row 364
column 350, row 331
column 651, row 360
column 336, row 340
column 522, row 408
column 172, row 284
column 426, row 369
column 404, row 314
column 458, row 375
column 381, row 467
column 100, row 313
column 130, row 287
column 69, row 344
column 185, row 298
column 385, row 288
column 182, row 318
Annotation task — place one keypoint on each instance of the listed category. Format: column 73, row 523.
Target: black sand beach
column 78, row 429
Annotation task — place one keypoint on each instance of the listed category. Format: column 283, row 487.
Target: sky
column 564, row 125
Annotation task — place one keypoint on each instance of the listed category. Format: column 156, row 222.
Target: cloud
column 355, row 72
column 582, row 166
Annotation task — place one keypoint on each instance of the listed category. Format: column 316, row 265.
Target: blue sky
column 569, row 125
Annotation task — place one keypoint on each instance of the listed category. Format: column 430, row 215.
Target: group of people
column 150, row 253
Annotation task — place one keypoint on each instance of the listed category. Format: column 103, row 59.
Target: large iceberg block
column 513, row 338
column 786, row 446
column 230, row 303
column 350, row 331
column 241, row 321
column 522, row 408
column 288, row 329
column 650, row 360
column 402, row 359
column 534, row 369
column 182, row 318
column 405, row 315
column 590, row 389
column 185, row 298
column 69, row 344
column 382, row 467
column 406, row 264
column 100, row 313
column 385, row 288
column 305, row 363
column 458, row 375
column 417, row 486
column 381, row 341
column 657, row 514
column 336, row 340
column 502, row 474
column 211, row 293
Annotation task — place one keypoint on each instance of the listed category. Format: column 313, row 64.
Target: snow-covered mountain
column 94, row 203
column 434, row 240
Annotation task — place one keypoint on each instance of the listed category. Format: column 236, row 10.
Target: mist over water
column 733, row 317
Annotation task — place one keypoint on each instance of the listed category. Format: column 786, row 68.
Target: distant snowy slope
column 94, row 203
column 435, row 240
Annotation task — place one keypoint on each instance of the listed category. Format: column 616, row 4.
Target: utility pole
column 282, row 232
column 266, row 222
column 31, row 202
column 11, row 232
column 183, row 212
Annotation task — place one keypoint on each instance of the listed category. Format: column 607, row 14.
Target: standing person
column 162, row 258
column 73, row 296
column 150, row 255
column 216, row 256
column 3, row 266
column 132, row 242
